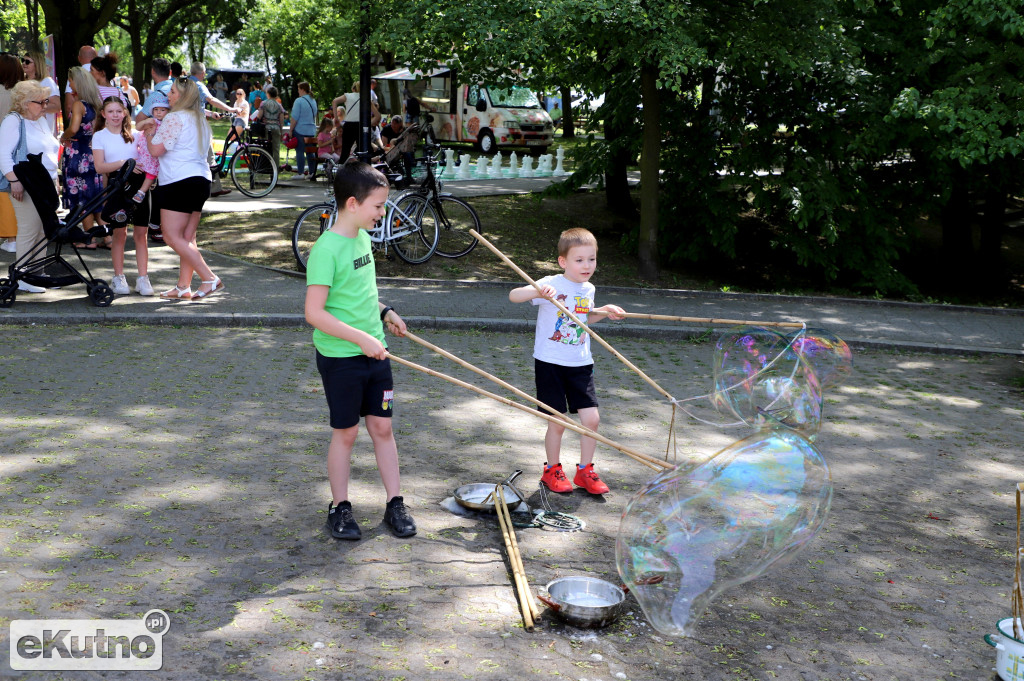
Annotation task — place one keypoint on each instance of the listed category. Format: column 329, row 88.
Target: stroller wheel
column 8, row 292
column 100, row 293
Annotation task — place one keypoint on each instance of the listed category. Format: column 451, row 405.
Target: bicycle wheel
column 413, row 228
column 253, row 171
column 456, row 219
column 308, row 228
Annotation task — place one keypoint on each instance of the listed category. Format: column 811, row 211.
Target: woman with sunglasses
column 11, row 73
column 35, row 69
column 25, row 123
column 181, row 143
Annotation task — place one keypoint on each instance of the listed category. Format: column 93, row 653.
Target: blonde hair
column 189, row 102
column 85, row 87
column 577, row 236
column 40, row 61
column 26, row 91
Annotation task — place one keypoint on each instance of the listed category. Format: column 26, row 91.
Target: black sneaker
column 397, row 517
column 341, row 522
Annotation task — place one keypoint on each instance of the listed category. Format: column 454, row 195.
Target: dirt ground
column 183, row 469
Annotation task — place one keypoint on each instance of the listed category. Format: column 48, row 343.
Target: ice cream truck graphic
column 489, row 117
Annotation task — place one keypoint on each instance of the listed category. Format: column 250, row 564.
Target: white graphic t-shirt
column 558, row 339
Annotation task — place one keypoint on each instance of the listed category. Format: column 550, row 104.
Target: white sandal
column 217, row 286
column 177, row 293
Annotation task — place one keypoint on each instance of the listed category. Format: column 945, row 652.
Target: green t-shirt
column 346, row 265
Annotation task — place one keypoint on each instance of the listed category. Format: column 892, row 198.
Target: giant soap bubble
column 761, row 377
column 826, row 354
column 696, row 530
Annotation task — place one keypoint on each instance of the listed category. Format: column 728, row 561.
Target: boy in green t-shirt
column 343, row 307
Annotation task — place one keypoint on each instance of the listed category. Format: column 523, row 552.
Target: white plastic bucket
column 1009, row 651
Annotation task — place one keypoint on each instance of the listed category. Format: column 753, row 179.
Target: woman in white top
column 28, row 101
column 35, row 69
column 241, row 117
column 112, row 145
column 181, row 143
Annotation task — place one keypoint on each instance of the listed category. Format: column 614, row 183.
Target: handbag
column 20, row 154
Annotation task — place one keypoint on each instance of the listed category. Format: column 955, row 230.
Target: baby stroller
column 52, row 270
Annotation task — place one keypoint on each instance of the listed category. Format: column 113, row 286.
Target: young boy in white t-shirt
column 563, row 364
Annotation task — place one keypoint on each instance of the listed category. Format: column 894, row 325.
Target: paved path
column 273, row 297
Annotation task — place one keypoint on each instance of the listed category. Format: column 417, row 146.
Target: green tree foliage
column 304, row 40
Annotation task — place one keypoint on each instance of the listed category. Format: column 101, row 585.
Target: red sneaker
column 555, row 479
column 588, row 479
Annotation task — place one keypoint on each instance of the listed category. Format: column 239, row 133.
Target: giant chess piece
column 449, row 165
column 464, row 168
column 513, row 166
column 527, row 169
column 495, row 168
column 560, row 155
column 481, row 167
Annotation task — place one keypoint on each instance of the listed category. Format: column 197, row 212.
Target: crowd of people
column 103, row 121
column 106, row 123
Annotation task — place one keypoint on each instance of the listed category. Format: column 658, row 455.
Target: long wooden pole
column 563, row 419
column 502, row 507
column 518, row 577
column 650, row 462
column 571, row 316
column 712, row 321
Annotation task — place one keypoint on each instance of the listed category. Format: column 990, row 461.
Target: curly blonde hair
column 26, row 91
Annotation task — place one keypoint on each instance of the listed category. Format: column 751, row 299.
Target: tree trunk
column 74, row 23
column 568, row 122
column 649, row 166
column 990, row 257
column 957, row 248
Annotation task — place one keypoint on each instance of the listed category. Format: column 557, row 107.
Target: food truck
column 487, row 116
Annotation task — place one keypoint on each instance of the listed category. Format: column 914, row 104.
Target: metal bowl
column 585, row 602
column 475, row 496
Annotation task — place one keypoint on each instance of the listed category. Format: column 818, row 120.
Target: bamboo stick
column 518, row 557
column 650, row 462
column 571, row 316
column 714, row 322
column 517, row 576
column 563, row 419
column 1017, row 597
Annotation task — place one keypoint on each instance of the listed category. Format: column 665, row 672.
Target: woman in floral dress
column 81, row 181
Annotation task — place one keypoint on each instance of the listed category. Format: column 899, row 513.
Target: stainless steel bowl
column 477, row 496
column 585, row 602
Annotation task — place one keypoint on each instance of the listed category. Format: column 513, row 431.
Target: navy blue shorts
column 558, row 385
column 356, row 387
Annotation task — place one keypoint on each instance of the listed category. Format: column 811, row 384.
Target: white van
column 486, row 116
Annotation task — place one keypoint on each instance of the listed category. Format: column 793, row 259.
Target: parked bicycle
column 454, row 216
column 251, row 167
column 413, row 238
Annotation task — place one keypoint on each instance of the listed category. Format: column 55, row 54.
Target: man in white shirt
column 86, row 53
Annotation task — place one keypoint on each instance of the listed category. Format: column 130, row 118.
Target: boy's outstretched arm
column 525, row 293
column 319, row 318
column 610, row 311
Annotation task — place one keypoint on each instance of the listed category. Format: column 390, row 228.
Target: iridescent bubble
column 762, row 378
column 696, row 530
column 827, row 354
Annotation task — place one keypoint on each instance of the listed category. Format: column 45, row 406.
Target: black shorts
column 356, row 387
column 148, row 212
column 119, row 209
column 184, row 196
column 558, row 385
